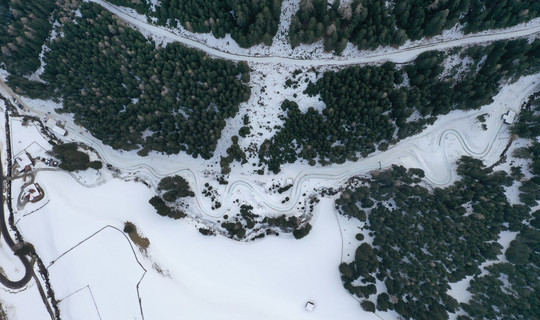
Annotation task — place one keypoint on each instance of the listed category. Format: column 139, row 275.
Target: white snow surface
column 189, row 276
column 203, row 277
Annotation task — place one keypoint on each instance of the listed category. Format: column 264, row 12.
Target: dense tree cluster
column 130, row 94
column 171, row 189
column 513, row 286
column 515, row 298
column 491, row 14
column 302, row 232
column 24, row 26
column 165, row 210
column 32, row 89
column 249, row 22
column 424, row 240
column 141, row 6
column 174, row 187
column 372, row 106
column 528, row 125
column 240, row 224
column 234, row 153
column 71, row 159
column 372, row 23
column 367, row 24
column 284, row 223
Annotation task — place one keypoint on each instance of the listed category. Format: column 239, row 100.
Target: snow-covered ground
column 24, row 304
column 204, row 277
column 214, row 277
column 434, row 150
column 77, row 228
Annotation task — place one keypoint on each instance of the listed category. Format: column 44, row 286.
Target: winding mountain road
column 152, row 166
column 156, row 166
column 28, row 273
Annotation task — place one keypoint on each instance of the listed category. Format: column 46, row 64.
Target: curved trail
column 406, row 148
column 144, row 167
column 400, row 55
column 28, row 271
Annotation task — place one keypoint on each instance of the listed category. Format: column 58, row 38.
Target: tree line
column 24, row 27
column 370, row 107
column 369, row 24
column 131, row 95
column 518, row 296
column 249, row 22
column 424, row 240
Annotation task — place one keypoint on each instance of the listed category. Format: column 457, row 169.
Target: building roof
column 51, row 123
column 509, row 117
column 23, row 160
column 58, row 130
column 32, row 192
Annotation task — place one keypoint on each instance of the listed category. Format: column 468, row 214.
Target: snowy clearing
column 204, row 277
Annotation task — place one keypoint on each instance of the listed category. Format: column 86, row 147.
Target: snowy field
column 77, row 228
column 78, row 235
column 204, row 277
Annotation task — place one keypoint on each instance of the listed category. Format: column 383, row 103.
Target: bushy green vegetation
column 72, row 159
column 372, row 23
column 249, row 22
column 24, row 26
column 371, row 105
column 130, row 94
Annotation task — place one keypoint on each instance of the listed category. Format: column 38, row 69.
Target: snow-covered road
column 399, row 55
